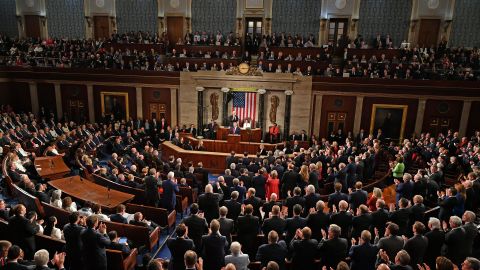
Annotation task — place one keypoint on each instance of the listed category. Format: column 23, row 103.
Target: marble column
column 467, row 105
column 420, row 114
column 58, row 100
column 139, row 102
column 317, row 114
column 34, row 97
column 200, row 107
column 173, row 106
column 288, row 107
column 358, row 115
column 261, row 109
column 225, row 114
column 91, row 105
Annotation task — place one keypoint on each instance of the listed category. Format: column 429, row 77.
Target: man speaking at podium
column 235, row 129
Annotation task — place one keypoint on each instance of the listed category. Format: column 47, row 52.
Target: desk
column 51, row 167
column 252, row 135
column 84, row 190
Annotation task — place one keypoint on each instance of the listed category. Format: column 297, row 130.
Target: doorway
column 174, row 29
column 253, row 33
column 101, row 27
column 428, row 33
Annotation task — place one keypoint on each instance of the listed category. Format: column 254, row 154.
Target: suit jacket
column 401, row 217
column 310, row 202
column 391, row 244
column 197, row 227
column 259, row 182
column 169, row 199
column 446, row 207
column 22, row 233
column 234, row 209
column 363, row 257
column 257, row 204
column 15, row 266
column 471, row 232
column 178, row 246
column 118, row 218
column 292, row 201
column 213, row 251
column 360, row 223
column 335, row 198
column 416, row 247
column 357, row 198
column 208, row 203
column 151, row 191
column 455, row 245
column 227, row 228
column 291, row 226
column 316, row 222
column 275, row 223
column 276, row 252
column 267, row 207
column 333, row 251
column 304, row 253
column 379, row 221
column 289, row 181
column 344, row 220
column 247, row 230
column 436, row 239
column 93, row 249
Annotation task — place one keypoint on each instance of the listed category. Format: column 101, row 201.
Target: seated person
column 139, row 220
column 273, row 133
column 116, row 245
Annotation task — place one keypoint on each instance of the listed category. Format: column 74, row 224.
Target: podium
column 234, row 138
column 246, row 135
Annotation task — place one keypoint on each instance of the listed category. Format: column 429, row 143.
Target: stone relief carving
column 274, row 101
column 214, row 103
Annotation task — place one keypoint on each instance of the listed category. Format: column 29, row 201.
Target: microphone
column 108, row 192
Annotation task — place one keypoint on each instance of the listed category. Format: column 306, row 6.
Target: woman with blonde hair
column 272, row 185
column 304, row 175
column 56, row 199
column 69, row 205
column 372, row 202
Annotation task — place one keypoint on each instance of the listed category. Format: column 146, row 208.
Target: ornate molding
column 288, row 92
column 261, row 91
column 225, row 89
column 253, row 71
column 200, row 88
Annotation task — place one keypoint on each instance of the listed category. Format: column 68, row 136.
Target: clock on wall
column 243, row 68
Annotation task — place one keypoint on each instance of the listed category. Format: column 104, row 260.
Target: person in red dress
column 272, row 184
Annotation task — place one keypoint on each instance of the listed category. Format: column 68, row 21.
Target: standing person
column 94, row 243
column 272, row 185
column 364, row 255
column 170, row 190
column 151, row 188
column 73, row 243
column 23, row 230
column 178, row 246
column 213, row 247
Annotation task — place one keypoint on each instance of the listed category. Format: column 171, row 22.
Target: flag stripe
column 245, row 105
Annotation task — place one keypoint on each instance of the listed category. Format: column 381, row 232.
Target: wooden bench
column 189, row 193
column 31, row 202
column 140, row 236
column 182, row 205
column 115, row 258
column 139, row 193
column 157, row 215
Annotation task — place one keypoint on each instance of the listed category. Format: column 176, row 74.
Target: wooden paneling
column 46, row 97
column 441, row 115
column 156, row 96
column 75, row 101
column 97, row 89
column 32, row 26
column 101, row 27
column 411, row 112
column 428, row 33
column 473, row 120
column 337, row 104
column 175, row 28
column 20, row 97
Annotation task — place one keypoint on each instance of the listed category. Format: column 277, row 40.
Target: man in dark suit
column 151, row 188
column 94, row 243
column 4, row 211
column 230, row 159
column 170, row 190
column 255, row 202
column 391, row 243
column 294, row 223
column 447, row 202
column 233, row 206
column 247, row 230
column 304, row 250
column 208, row 202
column 273, row 251
column 274, row 222
column 227, row 227
column 22, row 230
column 267, row 207
column 318, row 220
column 233, row 119
column 401, row 216
column 334, row 248
column 357, row 197
column 235, row 129
column 364, row 255
column 178, row 246
column 436, row 239
column 197, row 226
column 337, row 196
column 296, row 199
column 118, row 217
column 115, row 245
column 379, row 218
column 12, row 258
column 311, row 199
column 213, row 247
column 342, row 218
column 417, row 245
column 258, row 182
column 361, row 221
column 455, row 242
column 73, row 242
column 289, row 181
column 470, row 230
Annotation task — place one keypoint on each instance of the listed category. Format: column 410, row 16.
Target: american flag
column 245, row 105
